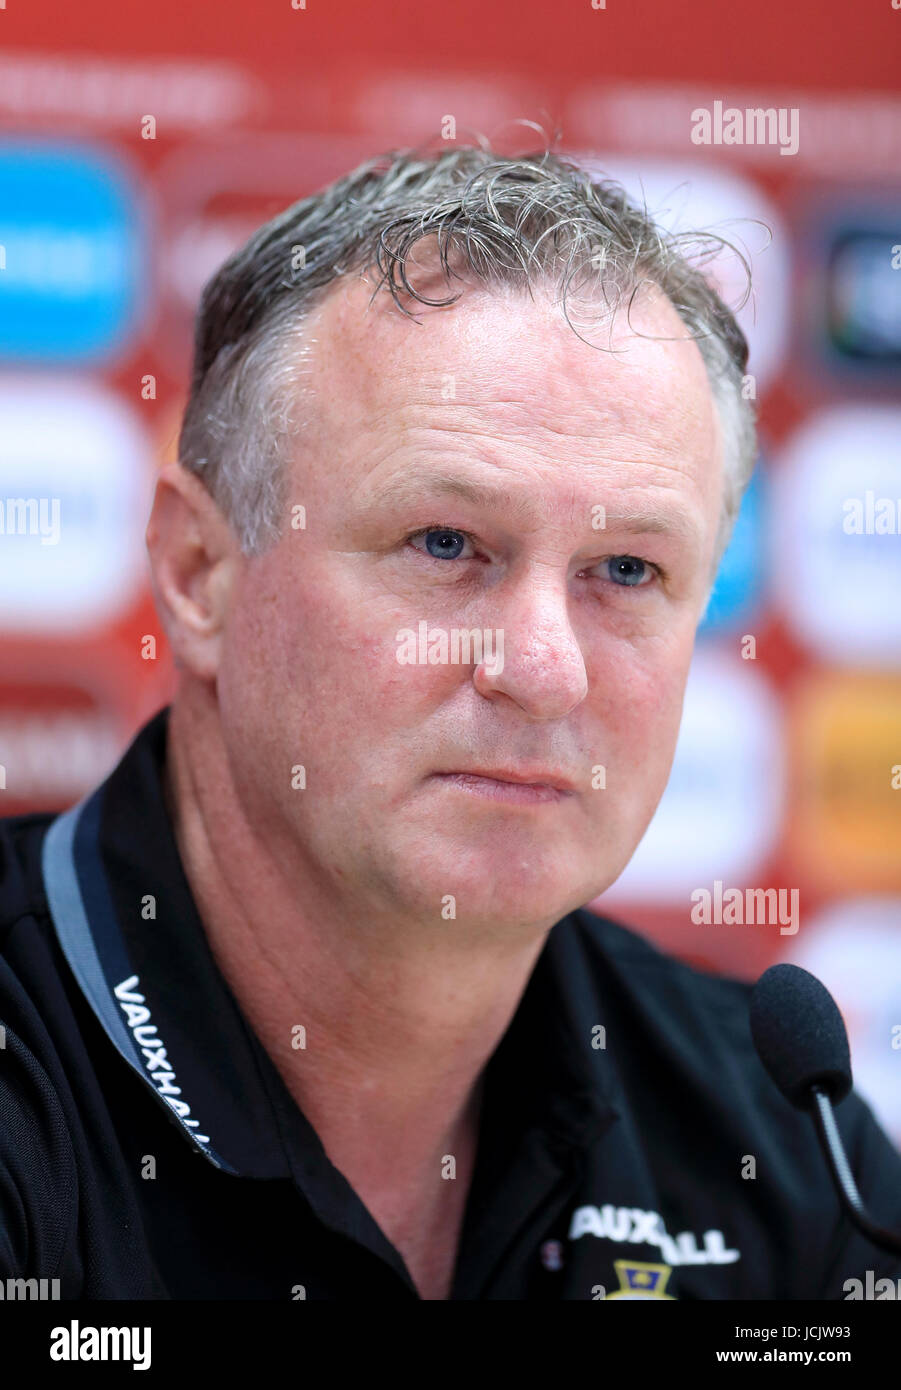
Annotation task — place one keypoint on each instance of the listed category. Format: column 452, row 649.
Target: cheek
column 640, row 707
column 334, row 662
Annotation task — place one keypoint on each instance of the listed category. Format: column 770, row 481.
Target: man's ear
column 195, row 561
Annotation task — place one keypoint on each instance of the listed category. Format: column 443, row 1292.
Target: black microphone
column 801, row 1040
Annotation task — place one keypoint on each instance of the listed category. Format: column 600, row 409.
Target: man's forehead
column 502, row 350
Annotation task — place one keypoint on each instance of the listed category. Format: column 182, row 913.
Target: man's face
column 498, row 393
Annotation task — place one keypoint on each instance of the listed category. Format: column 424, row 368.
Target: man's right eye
column 441, row 542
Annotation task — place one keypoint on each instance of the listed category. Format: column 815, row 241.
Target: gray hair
column 500, row 218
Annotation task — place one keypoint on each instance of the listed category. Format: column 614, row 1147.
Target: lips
column 535, row 777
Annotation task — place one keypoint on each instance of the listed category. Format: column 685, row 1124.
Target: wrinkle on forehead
column 500, row 370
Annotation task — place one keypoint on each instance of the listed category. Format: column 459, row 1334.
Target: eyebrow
column 409, row 490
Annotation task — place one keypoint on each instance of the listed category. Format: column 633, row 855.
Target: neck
column 400, row 1016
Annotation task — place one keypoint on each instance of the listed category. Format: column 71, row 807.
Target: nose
column 543, row 669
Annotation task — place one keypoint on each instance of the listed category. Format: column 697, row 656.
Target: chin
column 503, row 899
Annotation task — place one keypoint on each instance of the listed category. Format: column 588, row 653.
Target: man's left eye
column 629, row 570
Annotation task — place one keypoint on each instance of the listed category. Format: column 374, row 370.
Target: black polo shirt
column 150, row 1149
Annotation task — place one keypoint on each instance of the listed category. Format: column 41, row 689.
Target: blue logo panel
column 73, row 258
column 738, row 582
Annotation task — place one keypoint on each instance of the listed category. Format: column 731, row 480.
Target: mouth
column 509, row 787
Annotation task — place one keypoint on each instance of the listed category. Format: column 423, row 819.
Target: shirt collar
column 129, row 927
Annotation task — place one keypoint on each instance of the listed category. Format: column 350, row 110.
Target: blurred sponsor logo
column 838, row 586
column 73, row 258
column 738, row 582
column 52, row 756
column 854, row 947
column 721, row 813
column 78, row 447
column 845, row 825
